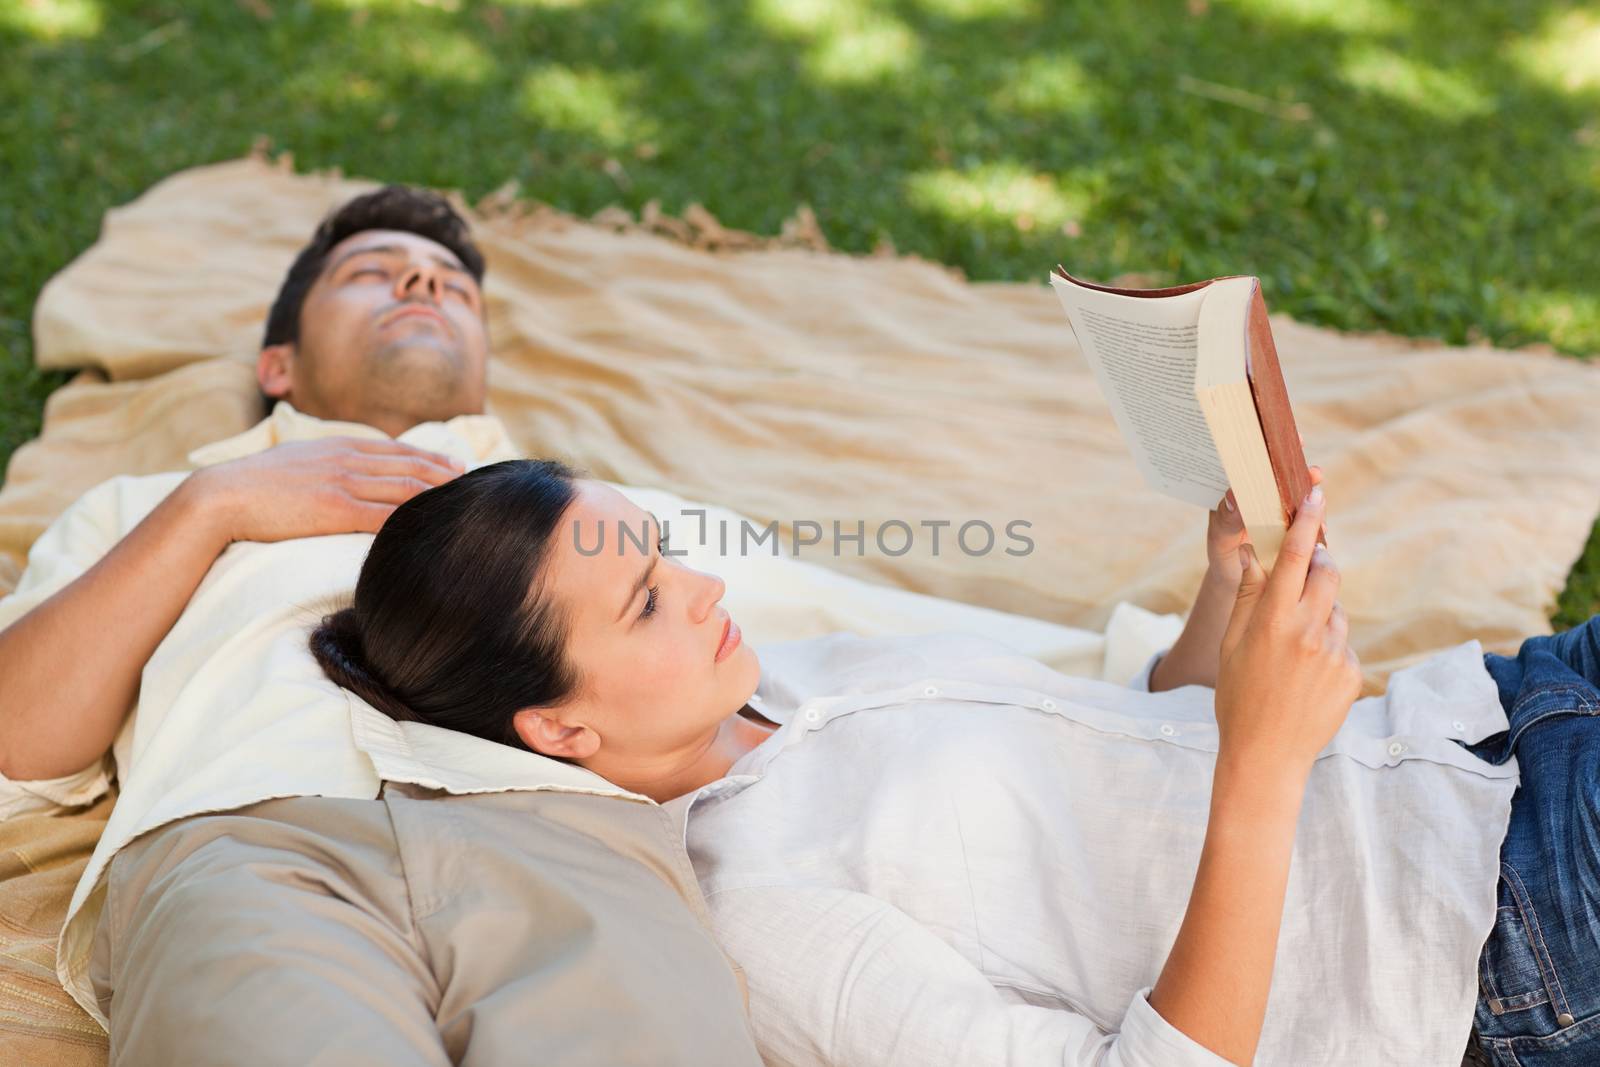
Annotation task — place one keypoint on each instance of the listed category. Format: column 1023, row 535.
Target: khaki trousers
column 417, row 928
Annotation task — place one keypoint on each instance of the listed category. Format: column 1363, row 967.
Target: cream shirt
column 232, row 709
column 951, row 856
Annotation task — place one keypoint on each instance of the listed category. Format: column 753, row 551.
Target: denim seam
column 1491, row 988
column 1546, row 964
column 1585, row 705
column 1582, row 1030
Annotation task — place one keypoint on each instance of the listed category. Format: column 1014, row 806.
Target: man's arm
column 70, row 668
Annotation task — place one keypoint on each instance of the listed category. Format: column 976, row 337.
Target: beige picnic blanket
column 794, row 384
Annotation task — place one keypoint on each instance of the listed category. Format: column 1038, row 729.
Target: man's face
column 391, row 334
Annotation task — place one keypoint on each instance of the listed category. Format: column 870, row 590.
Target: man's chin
column 419, row 373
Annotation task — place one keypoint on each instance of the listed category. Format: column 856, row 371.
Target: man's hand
column 55, row 722
column 312, row 488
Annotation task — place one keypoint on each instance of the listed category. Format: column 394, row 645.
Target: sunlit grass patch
column 979, row 9
column 1349, row 16
column 999, row 192
column 1047, row 85
column 875, row 48
column 1404, row 79
column 1565, row 52
column 1566, row 316
column 52, row 20
column 586, row 101
column 809, row 17
column 846, row 42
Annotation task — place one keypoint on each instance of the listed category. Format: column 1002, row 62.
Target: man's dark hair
column 394, row 207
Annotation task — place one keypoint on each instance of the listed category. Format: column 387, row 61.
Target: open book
column 1192, row 378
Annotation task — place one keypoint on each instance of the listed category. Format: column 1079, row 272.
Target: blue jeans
column 1539, row 972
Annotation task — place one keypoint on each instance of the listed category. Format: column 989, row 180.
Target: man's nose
column 416, row 280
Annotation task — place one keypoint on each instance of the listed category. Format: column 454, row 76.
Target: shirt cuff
column 1145, row 1038
column 50, row 795
column 1141, row 681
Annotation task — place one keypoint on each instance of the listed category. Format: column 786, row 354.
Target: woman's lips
column 730, row 641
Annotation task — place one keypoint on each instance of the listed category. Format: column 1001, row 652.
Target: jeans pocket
column 1522, row 994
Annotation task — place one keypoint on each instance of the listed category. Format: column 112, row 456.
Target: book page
column 1142, row 351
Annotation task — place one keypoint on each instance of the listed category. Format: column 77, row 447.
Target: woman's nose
column 710, row 591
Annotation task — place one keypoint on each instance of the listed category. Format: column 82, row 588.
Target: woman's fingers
column 1338, row 626
column 1230, row 503
column 1288, row 578
column 1322, row 589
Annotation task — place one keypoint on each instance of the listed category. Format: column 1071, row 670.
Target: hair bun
column 337, row 646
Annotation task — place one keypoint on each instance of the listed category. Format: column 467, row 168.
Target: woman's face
column 645, row 632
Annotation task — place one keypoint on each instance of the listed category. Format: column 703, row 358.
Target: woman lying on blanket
column 930, row 851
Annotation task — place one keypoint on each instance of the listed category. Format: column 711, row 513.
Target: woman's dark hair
column 394, row 207
column 448, row 624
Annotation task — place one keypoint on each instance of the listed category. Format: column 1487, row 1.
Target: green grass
column 1431, row 170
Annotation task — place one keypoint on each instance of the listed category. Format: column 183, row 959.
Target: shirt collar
column 436, row 758
column 472, row 439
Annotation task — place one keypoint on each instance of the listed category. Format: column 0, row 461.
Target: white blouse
column 950, row 854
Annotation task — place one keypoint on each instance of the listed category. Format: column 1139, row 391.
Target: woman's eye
column 372, row 271
column 650, row 603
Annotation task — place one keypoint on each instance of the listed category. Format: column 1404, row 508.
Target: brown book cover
column 1267, row 389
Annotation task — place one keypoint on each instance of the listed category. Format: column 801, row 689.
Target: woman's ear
column 551, row 737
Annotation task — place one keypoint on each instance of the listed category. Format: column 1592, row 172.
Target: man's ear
column 550, row 737
column 275, row 370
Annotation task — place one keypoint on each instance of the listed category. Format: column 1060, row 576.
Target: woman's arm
column 1215, row 981
column 844, row 979
column 1193, row 657
column 1287, row 681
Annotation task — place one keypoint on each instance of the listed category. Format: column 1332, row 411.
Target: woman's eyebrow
column 644, row 578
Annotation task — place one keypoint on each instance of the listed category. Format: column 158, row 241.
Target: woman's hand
column 1287, row 675
column 1225, row 533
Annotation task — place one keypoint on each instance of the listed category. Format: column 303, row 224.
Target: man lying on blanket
column 287, row 874
column 273, row 887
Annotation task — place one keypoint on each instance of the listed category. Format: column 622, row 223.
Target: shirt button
column 1167, row 729
column 755, row 698
column 931, row 691
column 1395, row 748
column 812, row 715
column 1456, row 726
column 1048, row 705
